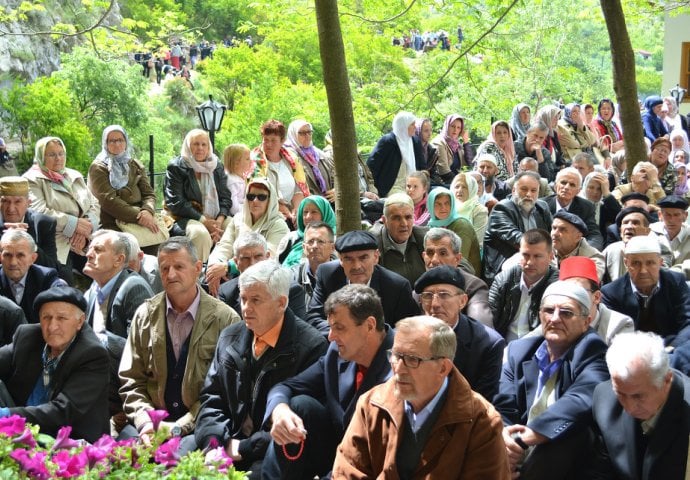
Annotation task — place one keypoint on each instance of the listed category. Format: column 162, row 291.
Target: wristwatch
column 176, row 430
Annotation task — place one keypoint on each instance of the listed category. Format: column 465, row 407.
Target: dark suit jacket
column 394, row 290
column 11, row 316
column 42, row 230
column 608, row 211
column 384, row 162
column 670, row 304
column 501, row 190
column 479, row 355
column 129, row 291
column 331, row 381
column 80, row 385
column 667, row 449
column 583, row 368
column 584, row 209
column 229, row 293
column 38, row 279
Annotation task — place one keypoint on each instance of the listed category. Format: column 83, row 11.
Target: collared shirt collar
column 417, row 419
column 547, row 368
column 104, row 292
column 642, row 295
column 271, row 336
column 193, row 308
column 525, row 288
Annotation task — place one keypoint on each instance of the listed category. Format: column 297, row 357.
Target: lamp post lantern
column 211, row 115
column 678, row 93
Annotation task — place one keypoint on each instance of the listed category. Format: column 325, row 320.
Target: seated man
column 657, row 299
column 672, row 230
column 545, row 394
column 251, row 248
column 170, row 346
column 358, row 263
column 57, row 372
column 321, row 400
column 568, row 233
column 20, row 279
column 642, row 414
column 425, row 422
column 532, row 145
column 319, row 248
column 11, row 316
column 479, row 351
column 487, row 165
column 400, row 242
column 510, row 219
column 515, row 294
column 270, row 346
column 530, row 164
column 568, row 184
column 443, row 247
column 143, row 264
column 632, row 199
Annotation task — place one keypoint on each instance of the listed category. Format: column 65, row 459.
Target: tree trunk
column 336, row 80
column 624, row 82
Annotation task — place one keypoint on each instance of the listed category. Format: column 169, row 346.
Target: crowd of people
column 518, row 309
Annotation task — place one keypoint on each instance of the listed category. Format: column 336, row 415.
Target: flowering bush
column 26, row 453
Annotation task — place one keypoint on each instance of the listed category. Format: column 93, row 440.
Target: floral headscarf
column 118, row 165
column 311, row 154
column 453, row 143
column 568, row 114
column 509, row 150
column 546, row 115
column 59, row 177
column 209, row 193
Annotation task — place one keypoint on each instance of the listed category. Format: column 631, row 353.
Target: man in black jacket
column 270, row 346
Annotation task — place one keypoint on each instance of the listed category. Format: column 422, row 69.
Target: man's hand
column 287, row 426
column 516, row 453
column 214, row 274
column 233, row 450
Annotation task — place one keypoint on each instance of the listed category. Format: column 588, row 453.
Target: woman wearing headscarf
column 318, row 168
column 395, row 155
column 519, row 121
column 499, row 143
column 423, row 130
column 260, row 214
column 682, row 189
column 62, row 193
column 653, row 125
column 606, row 127
column 679, row 141
column 453, row 148
column 312, row 209
column 573, row 134
column 120, row 184
column 467, row 204
column 549, row 115
column 442, row 212
column 595, row 188
column 673, row 119
column 196, row 193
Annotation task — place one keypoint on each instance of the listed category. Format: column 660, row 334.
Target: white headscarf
column 118, row 165
column 400, row 123
column 209, row 193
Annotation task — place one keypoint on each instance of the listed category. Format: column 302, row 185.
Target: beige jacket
column 144, row 366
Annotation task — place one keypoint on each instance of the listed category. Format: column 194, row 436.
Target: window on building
column 685, row 70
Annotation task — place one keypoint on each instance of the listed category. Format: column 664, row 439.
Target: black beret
column 60, row 294
column 356, row 240
column 573, row 220
column 440, row 274
column 673, row 201
column 634, row 196
column 628, row 210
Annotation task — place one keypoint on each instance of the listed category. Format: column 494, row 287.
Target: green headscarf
column 452, row 216
column 327, row 216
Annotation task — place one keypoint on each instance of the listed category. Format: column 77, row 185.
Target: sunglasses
column 262, row 197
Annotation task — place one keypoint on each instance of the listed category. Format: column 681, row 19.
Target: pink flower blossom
column 219, row 458
column 100, row 450
column 70, row 465
column 157, row 416
column 167, row 454
column 26, row 438
column 12, row 425
column 33, row 463
column 62, row 441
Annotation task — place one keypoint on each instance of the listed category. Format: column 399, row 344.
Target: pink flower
column 219, row 458
column 62, row 441
column 157, row 416
column 33, row 463
column 26, row 438
column 166, row 454
column 99, row 450
column 12, row 425
column 69, row 465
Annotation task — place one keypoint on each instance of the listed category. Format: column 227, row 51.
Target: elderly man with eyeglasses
column 425, row 422
column 546, row 387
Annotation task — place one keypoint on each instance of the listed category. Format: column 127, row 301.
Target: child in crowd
column 237, row 167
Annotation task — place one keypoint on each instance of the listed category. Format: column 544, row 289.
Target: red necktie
column 359, row 376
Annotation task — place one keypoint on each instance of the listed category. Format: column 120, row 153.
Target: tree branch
column 98, row 23
column 388, row 20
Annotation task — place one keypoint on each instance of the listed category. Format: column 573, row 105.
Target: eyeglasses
column 410, row 361
column 563, row 314
column 54, row 155
column 442, row 295
column 317, row 242
column 262, row 197
column 307, row 133
column 116, row 140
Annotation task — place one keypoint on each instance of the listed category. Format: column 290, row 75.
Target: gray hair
column 527, row 173
column 134, row 247
column 249, row 239
column 632, row 350
column 442, row 339
column 176, row 244
column 570, row 171
column 361, row 301
column 269, row 273
column 528, row 160
column 436, row 234
column 119, row 242
column 584, row 157
column 538, row 127
column 15, row 235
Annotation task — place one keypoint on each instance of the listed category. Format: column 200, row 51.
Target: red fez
column 578, row 267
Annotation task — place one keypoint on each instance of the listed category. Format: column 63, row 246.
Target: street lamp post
column 678, row 93
column 211, row 115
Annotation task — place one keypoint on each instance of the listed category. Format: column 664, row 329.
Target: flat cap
column 627, row 211
column 580, row 267
column 673, row 201
column 573, row 219
column 14, row 186
column 634, row 196
column 60, row 294
column 570, row 290
column 356, row 240
column 440, row 274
